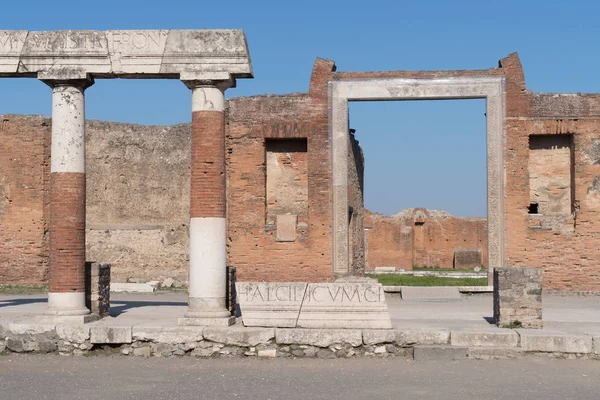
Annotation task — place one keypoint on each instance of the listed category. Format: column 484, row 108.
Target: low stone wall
column 221, row 342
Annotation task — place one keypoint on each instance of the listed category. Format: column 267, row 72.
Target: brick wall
column 138, row 191
column 422, row 238
column 252, row 244
column 24, row 175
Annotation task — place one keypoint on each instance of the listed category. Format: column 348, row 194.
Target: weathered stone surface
column 344, row 305
column 270, row 304
column 239, row 336
column 491, row 353
column 73, row 333
column 118, row 287
column 422, row 337
column 110, row 334
column 66, row 319
column 179, row 334
column 430, row 293
column 143, row 351
column 327, row 305
column 555, row 342
column 406, row 337
column 318, row 337
column 467, row 258
column 27, row 343
column 518, row 297
column 268, row 353
column 286, row 228
column 596, row 341
column 484, row 338
column 97, row 288
column 30, row 328
column 377, row 336
column 225, row 321
column 440, row 353
column 185, row 54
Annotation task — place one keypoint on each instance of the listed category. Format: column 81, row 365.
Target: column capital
column 81, row 84
column 221, row 84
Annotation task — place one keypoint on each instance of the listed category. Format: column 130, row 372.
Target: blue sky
column 429, row 154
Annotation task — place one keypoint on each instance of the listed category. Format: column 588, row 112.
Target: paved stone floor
column 568, row 314
column 101, row 377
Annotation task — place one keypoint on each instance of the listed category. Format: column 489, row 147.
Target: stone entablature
column 185, row 54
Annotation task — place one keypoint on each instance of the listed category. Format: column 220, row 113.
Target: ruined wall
column 24, row 175
column 138, row 191
column 422, row 238
column 563, row 237
column 356, row 169
column 138, row 199
column 257, row 127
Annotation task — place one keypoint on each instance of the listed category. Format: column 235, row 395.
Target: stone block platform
column 146, row 325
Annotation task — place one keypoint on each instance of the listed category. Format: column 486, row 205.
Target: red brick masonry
column 207, row 190
column 67, row 232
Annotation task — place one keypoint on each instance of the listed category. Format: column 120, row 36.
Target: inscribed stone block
column 270, row 304
column 344, row 305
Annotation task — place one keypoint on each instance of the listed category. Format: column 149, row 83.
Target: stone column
column 66, row 295
column 208, row 251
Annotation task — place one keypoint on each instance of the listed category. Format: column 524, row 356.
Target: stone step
column 439, row 353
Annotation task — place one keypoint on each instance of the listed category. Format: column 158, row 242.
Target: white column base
column 208, row 273
column 66, row 304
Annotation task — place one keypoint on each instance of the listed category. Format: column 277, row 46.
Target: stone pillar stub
column 518, row 297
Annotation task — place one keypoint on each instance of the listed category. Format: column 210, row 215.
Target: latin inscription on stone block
column 314, row 305
column 270, row 304
column 75, row 54
column 344, row 305
column 11, row 44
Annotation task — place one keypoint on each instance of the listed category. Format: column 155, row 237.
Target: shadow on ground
column 118, row 307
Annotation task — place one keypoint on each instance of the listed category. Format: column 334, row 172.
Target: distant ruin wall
column 422, row 238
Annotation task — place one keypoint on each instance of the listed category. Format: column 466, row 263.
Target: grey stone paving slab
column 440, row 353
column 548, row 341
column 485, row 338
column 431, row 293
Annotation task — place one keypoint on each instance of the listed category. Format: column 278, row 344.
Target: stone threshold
column 236, row 341
column 461, row 289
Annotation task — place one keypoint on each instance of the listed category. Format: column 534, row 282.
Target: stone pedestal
column 66, row 295
column 208, row 248
column 518, row 297
column 97, row 288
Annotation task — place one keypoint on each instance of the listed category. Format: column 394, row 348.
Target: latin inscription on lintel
column 194, row 54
